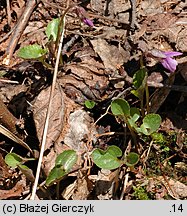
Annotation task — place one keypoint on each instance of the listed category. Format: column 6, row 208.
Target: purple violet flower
column 166, row 59
column 81, row 13
column 88, row 22
column 168, row 62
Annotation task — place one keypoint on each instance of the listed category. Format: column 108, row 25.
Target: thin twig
column 133, row 14
column 124, row 186
column 8, row 11
column 9, row 33
column 48, row 114
column 102, row 115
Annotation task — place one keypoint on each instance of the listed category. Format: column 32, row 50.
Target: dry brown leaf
column 16, row 191
column 104, row 183
column 56, row 117
column 83, row 187
column 113, row 7
column 175, row 188
column 4, row 170
column 59, row 146
column 112, row 56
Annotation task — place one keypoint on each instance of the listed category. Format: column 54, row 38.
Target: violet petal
column 171, row 54
column 169, row 64
column 88, row 22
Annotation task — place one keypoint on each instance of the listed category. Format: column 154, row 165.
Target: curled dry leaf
column 56, row 118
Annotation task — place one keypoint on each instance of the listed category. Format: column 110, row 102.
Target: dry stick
column 124, row 186
column 30, row 5
column 133, row 15
column 48, row 114
column 8, row 11
column 9, row 33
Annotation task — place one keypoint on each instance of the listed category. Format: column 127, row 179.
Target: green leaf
column 151, row 123
column 66, row 159
column 2, row 73
column 131, row 159
column 56, row 174
column 52, row 29
column 89, row 104
column 27, row 172
column 120, row 107
column 134, row 113
column 32, row 52
column 115, row 151
column 107, row 159
column 134, row 116
column 13, row 160
column 139, row 83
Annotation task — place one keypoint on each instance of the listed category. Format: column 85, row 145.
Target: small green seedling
column 139, row 83
column 130, row 115
column 89, row 104
column 33, row 51
column 63, row 164
column 151, row 124
column 14, row 160
column 140, row 86
column 54, row 30
column 36, row 52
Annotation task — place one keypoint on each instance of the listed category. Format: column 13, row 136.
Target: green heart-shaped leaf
column 56, row 174
column 120, row 107
column 115, row 151
column 131, row 159
column 151, row 123
column 66, row 159
column 89, row 104
column 52, row 29
column 107, row 159
column 13, row 160
column 32, row 52
column 139, row 83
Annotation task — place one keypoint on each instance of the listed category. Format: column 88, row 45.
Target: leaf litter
column 95, row 61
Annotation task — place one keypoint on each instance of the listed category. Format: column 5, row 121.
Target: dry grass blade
column 13, row 137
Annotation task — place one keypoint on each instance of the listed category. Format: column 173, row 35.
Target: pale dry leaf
column 56, row 116
column 112, row 56
column 81, row 191
column 80, row 128
column 68, row 191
